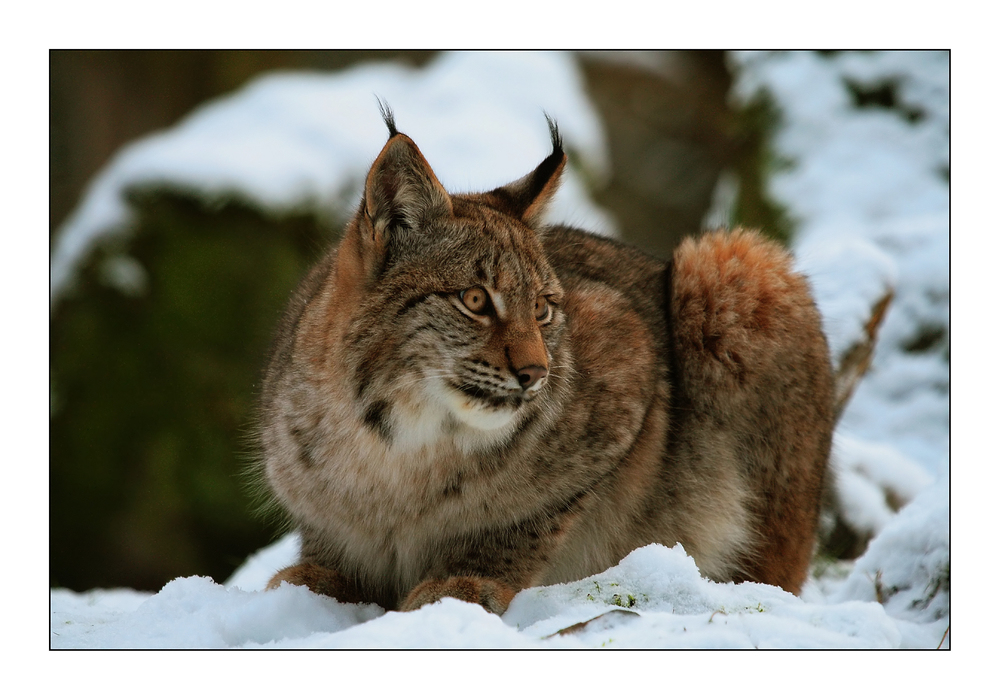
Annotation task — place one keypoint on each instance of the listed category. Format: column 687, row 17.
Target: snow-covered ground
column 867, row 192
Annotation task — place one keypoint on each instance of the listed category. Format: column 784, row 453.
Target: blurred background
column 157, row 344
column 152, row 392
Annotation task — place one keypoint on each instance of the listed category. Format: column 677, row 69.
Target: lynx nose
column 528, row 376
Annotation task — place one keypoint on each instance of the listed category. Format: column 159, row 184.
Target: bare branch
column 857, row 359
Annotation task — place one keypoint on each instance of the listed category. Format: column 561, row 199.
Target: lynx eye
column 476, row 300
column 542, row 309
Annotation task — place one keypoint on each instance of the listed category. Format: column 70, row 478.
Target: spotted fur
column 429, row 441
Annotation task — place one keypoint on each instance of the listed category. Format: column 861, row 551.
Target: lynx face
column 454, row 318
column 459, row 332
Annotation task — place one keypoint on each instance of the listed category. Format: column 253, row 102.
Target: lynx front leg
column 493, row 595
column 318, row 579
column 490, row 568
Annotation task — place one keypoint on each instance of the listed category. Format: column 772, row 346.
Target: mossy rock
column 155, row 359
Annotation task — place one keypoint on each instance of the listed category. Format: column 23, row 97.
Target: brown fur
column 603, row 400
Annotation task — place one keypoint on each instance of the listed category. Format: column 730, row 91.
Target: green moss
column 755, row 161
column 154, row 393
column 628, row 601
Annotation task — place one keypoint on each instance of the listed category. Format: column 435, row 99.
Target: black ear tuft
column 527, row 198
column 390, row 120
column 557, row 144
column 401, row 193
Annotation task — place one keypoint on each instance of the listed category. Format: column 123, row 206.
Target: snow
column 866, row 474
column 872, row 213
column 655, row 598
column 905, row 569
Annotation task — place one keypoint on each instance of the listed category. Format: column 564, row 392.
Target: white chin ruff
column 476, row 414
column 466, row 410
column 423, row 420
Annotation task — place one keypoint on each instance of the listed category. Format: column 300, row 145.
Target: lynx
column 462, row 401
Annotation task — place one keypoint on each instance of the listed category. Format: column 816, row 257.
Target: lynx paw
column 493, row 595
column 317, row 579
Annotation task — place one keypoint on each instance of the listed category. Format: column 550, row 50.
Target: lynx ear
column 527, row 198
column 401, row 190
